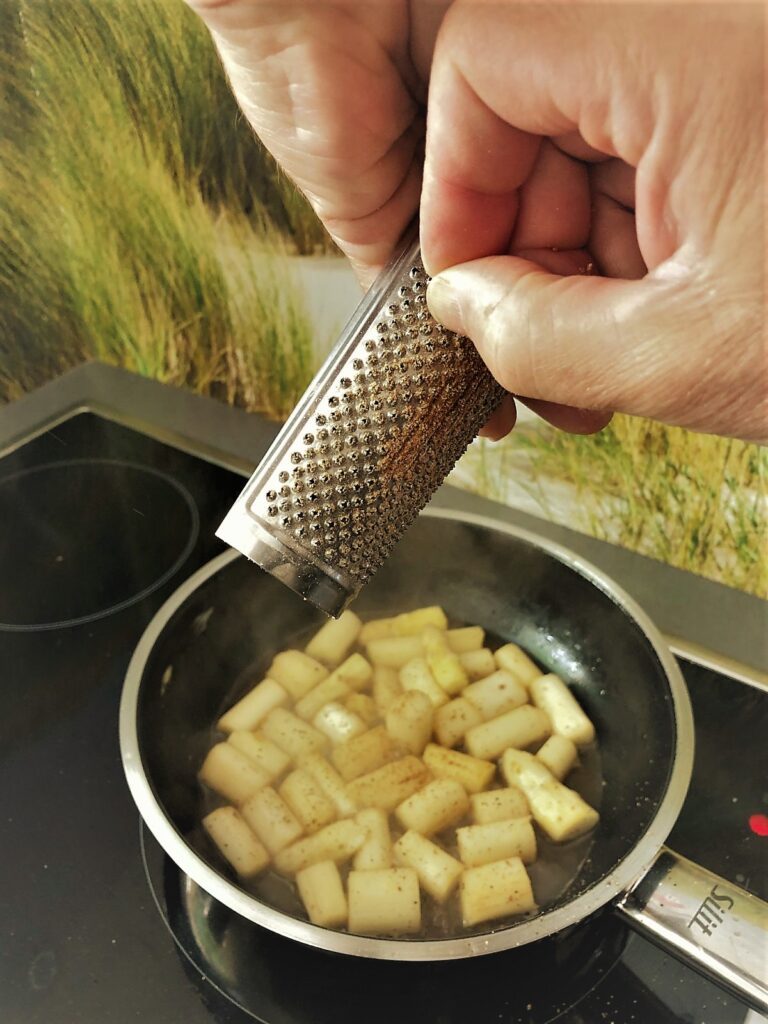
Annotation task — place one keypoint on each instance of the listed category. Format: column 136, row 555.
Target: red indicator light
column 759, row 824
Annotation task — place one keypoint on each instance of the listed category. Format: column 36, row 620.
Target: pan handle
column 716, row 927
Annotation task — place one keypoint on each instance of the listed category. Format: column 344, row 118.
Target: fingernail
column 444, row 302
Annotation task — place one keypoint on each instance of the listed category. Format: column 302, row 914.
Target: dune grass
column 129, row 189
column 142, row 224
column 694, row 501
column 155, row 63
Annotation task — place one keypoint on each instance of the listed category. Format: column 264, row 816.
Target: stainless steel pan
column 228, row 619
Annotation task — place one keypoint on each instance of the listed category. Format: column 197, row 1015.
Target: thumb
column 639, row 347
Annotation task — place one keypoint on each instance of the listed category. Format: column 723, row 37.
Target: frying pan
column 225, row 623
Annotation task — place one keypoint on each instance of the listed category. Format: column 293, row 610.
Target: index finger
column 505, row 75
column 475, row 162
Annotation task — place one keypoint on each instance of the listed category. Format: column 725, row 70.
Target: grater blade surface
column 378, row 430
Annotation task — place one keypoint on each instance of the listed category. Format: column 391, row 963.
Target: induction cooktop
column 100, row 522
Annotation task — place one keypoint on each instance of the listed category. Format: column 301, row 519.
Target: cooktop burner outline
column 198, row 924
column 62, row 783
column 126, row 602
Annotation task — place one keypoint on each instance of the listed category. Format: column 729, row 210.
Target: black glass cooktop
column 98, row 525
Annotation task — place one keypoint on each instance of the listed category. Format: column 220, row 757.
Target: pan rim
column 621, row 878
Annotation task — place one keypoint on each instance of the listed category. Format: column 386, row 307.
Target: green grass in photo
column 130, row 187
column 141, row 223
column 692, row 500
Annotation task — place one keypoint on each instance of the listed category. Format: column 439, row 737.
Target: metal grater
column 394, row 406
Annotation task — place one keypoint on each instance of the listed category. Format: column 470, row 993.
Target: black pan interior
column 240, row 617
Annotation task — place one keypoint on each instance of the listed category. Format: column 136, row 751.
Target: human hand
column 630, row 136
column 333, row 92
column 336, row 91
column 518, row 94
